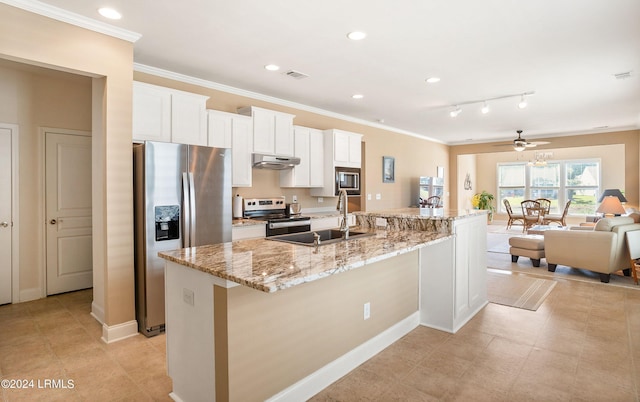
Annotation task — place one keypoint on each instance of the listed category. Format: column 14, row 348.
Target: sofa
column 602, row 250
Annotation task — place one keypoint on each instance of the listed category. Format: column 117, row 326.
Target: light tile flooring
column 583, row 344
column 57, row 339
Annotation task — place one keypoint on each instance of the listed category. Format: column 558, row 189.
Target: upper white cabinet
column 219, row 128
column 272, row 131
column 230, row 130
column 241, row 145
column 308, row 146
column 346, row 148
column 341, row 148
column 169, row 115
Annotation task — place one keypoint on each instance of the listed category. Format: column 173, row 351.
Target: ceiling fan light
column 519, row 147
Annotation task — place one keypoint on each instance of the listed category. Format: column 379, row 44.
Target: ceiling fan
column 520, row 144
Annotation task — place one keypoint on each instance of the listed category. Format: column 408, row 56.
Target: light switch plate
column 188, row 296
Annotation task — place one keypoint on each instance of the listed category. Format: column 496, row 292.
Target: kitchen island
column 260, row 319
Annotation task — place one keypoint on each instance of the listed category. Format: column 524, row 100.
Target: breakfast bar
column 267, row 320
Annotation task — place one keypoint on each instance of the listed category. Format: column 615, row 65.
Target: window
column 558, row 181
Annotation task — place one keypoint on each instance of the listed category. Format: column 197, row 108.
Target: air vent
column 296, row 74
column 623, row 76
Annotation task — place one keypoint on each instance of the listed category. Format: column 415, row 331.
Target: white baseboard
column 119, row 332
column 31, row 294
column 97, row 312
column 322, row 378
column 175, row 397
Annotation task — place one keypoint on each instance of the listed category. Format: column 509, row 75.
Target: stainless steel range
column 276, row 212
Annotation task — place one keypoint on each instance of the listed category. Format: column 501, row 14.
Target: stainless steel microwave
column 348, row 179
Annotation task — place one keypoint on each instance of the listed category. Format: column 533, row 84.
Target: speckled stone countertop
column 270, row 266
column 421, row 219
column 247, row 222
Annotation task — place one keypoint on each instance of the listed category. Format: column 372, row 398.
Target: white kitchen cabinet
column 230, row 130
column 169, row 115
column 219, row 128
column 272, row 131
column 241, row 146
column 243, row 232
column 453, row 276
column 331, row 222
column 341, row 148
column 308, row 146
column 346, row 148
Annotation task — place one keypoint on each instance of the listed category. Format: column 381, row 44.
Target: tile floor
column 57, row 339
column 583, row 344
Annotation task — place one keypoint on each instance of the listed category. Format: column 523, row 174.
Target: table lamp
column 612, row 192
column 611, row 206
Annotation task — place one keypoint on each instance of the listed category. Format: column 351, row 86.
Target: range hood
column 261, row 161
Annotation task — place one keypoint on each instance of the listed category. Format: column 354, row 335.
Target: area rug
column 516, row 290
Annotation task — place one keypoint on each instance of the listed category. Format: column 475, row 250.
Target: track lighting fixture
column 485, row 103
column 523, row 102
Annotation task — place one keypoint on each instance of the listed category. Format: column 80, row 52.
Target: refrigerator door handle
column 192, row 198
column 186, row 213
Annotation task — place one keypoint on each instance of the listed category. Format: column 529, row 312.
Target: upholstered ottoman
column 531, row 246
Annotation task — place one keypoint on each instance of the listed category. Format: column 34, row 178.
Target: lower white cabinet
column 453, row 276
column 330, row 222
column 248, row 232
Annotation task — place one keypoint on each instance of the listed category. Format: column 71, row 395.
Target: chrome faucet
column 343, row 208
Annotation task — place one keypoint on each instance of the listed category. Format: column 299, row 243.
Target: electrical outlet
column 320, row 200
column 187, row 296
column 294, row 198
column 368, row 197
column 367, row 310
column 381, row 222
column 378, row 196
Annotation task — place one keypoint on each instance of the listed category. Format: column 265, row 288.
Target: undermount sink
column 327, row 236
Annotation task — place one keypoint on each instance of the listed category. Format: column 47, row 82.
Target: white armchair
column 602, row 250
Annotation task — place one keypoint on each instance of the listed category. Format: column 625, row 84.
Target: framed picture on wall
column 388, row 169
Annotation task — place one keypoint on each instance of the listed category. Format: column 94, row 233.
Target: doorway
column 8, row 213
column 68, row 260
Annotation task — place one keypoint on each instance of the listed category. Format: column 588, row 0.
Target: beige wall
column 275, row 340
column 626, row 159
column 34, row 39
column 414, row 157
column 33, row 98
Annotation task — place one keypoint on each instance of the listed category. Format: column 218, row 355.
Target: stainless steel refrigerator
column 182, row 198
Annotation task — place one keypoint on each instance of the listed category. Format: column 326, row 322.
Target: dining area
column 535, row 212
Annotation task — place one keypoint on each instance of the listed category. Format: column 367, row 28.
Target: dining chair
column 545, row 205
column 532, row 213
column 633, row 244
column 433, row 201
column 513, row 218
column 558, row 218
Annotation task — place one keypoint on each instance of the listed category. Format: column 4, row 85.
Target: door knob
column 4, row 224
column 53, row 221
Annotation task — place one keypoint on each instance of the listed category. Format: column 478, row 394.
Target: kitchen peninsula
column 265, row 320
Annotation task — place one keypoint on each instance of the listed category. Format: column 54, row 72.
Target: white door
column 5, row 215
column 68, row 212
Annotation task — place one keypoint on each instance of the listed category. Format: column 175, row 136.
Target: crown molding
column 142, row 68
column 60, row 14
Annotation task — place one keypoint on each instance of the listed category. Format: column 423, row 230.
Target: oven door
column 285, row 227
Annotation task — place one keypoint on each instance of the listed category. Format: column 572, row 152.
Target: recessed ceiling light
column 433, row 80
column 272, row 67
column 110, row 13
column 356, row 35
column 357, row 96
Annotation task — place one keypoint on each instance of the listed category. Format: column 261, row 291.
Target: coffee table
column 540, row 229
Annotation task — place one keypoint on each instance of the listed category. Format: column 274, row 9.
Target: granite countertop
column 247, row 222
column 423, row 213
column 270, row 266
